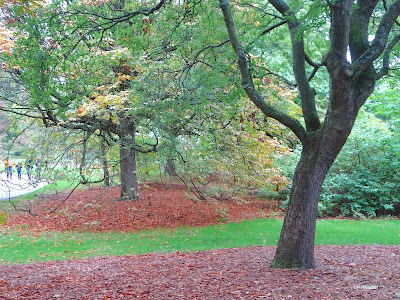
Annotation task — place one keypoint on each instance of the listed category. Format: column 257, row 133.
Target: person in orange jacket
column 8, row 163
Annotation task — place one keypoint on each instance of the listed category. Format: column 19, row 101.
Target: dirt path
column 11, row 188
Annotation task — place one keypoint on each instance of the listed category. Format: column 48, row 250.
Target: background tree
column 351, row 81
column 62, row 73
column 140, row 78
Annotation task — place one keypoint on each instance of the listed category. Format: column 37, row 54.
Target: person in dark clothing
column 29, row 167
column 19, row 170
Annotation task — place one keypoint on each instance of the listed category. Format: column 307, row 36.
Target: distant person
column 38, row 168
column 29, row 167
column 19, row 170
column 9, row 166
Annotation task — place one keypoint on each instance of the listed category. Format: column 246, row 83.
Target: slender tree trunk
column 129, row 184
column 104, row 162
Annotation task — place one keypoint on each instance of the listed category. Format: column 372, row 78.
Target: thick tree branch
column 340, row 28
column 386, row 8
column 247, row 81
column 380, row 41
column 386, row 58
column 359, row 23
column 307, row 94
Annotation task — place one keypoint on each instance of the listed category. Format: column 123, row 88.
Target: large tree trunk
column 350, row 84
column 129, row 185
column 296, row 243
column 320, row 149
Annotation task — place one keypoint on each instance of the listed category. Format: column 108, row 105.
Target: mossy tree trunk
column 104, row 162
column 129, row 184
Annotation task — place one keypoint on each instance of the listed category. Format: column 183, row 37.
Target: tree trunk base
column 283, row 263
column 125, row 198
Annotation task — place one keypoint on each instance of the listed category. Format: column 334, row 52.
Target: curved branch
column 273, row 27
column 108, row 22
column 66, row 198
column 311, row 62
column 247, row 81
column 307, row 94
column 286, row 80
column 380, row 41
column 386, row 8
column 386, row 56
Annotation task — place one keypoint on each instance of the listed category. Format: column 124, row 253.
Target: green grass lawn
column 25, row 247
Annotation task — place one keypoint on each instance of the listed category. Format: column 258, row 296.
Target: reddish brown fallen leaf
column 160, row 205
column 241, row 273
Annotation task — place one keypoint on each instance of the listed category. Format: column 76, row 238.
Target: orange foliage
column 6, row 40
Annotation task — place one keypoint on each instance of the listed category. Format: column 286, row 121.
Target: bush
column 364, row 179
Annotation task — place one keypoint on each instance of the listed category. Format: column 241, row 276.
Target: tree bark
column 104, row 162
column 296, row 243
column 170, row 167
column 129, row 184
column 350, row 84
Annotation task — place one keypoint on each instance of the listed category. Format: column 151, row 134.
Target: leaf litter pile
column 343, row 272
column 159, row 205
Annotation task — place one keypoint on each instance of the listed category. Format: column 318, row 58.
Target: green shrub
column 364, row 180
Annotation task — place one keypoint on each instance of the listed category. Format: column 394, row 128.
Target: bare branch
column 311, row 62
column 273, row 27
column 284, row 79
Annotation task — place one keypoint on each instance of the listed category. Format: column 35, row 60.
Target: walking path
column 17, row 187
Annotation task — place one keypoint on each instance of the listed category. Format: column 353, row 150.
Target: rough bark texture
column 296, row 244
column 104, row 162
column 297, row 235
column 129, row 185
column 170, row 167
column 350, row 86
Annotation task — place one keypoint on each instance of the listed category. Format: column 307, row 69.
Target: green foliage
column 3, row 216
column 365, row 180
column 25, row 247
column 384, row 103
column 234, row 158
